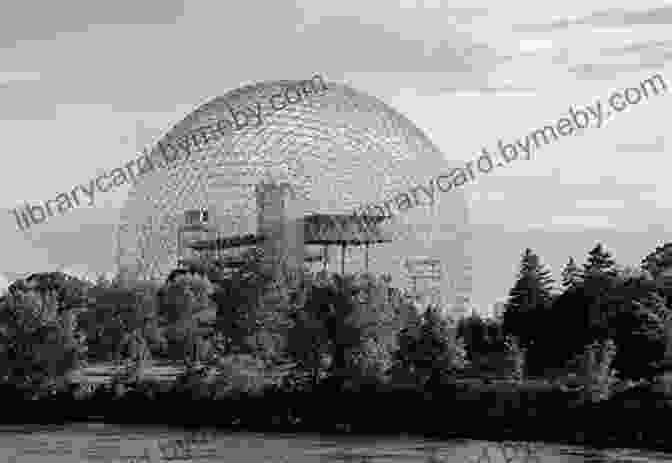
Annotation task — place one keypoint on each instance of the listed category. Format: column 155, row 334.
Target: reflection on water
column 519, row 452
column 110, row 443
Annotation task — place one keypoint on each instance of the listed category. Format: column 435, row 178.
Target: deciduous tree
column 432, row 350
column 184, row 302
column 38, row 345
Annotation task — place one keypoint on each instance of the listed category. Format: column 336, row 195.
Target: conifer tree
column 642, row 333
column 599, row 260
column 657, row 264
column 658, row 260
column 528, row 299
column 571, row 274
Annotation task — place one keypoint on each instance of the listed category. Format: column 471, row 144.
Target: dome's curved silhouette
column 339, row 149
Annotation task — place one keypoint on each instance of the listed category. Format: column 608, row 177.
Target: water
column 110, row 443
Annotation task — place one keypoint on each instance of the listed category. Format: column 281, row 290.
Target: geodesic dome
column 339, row 149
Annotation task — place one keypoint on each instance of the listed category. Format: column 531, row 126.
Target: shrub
column 240, row 374
column 431, row 350
column 370, row 362
column 599, row 377
column 662, row 384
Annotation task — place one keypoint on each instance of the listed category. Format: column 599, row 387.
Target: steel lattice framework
column 339, row 149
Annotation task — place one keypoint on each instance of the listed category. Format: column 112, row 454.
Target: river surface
column 111, row 443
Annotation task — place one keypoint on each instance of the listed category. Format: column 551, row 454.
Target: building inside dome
column 290, row 180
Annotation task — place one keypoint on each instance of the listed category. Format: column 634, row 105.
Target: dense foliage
column 40, row 341
column 529, row 300
column 599, row 302
column 257, row 329
column 343, row 331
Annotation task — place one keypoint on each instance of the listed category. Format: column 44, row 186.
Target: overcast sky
column 84, row 85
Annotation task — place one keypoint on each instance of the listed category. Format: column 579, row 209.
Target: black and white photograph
column 300, row 231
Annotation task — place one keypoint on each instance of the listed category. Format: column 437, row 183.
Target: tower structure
column 281, row 224
column 194, row 227
column 425, row 277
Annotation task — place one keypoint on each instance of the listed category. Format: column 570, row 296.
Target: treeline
column 256, row 328
column 269, row 351
column 612, row 320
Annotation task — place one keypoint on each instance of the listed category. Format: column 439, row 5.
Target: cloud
column 496, row 196
column 7, row 77
column 463, row 15
column 38, row 20
column 636, row 47
column 661, row 15
column 475, row 91
column 563, row 197
column 584, row 221
column 600, row 204
column 85, row 237
column 385, row 38
column 19, row 253
column 596, row 185
column 610, row 71
column 476, row 196
column 657, row 146
column 534, row 45
column 467, row 15
column 28, row 101
column 557, row 56
column 379, row 49
column 614, row 17
column 652, row 54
